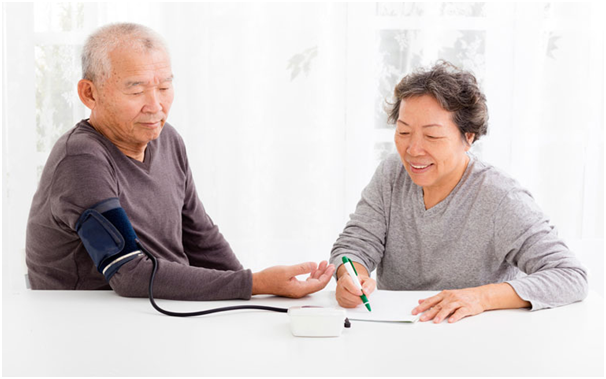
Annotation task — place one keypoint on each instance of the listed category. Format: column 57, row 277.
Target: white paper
column 389, row 306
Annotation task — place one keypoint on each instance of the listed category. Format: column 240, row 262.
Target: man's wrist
column 257, row 284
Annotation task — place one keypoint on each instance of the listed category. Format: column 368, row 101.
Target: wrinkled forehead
column 135, row 66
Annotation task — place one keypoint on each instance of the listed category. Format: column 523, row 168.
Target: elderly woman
column 435, row 217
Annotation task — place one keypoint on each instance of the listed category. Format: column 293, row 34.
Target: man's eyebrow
column 131, row 84
column 424, row 126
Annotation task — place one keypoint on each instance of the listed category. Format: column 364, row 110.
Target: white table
column 79, row 333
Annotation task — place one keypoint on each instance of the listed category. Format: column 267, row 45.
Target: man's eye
column 137, row 93
column 433, row 137
column 403, row 133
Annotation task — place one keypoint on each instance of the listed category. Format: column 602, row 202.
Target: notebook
column 390, row 306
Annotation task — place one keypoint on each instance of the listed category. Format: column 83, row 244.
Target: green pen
column 351, row 270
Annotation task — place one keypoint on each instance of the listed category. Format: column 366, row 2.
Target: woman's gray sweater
column 488, row 230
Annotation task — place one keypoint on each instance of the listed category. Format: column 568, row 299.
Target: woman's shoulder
column 495, row 182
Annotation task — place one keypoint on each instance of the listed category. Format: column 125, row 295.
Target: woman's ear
column 87, row 93
column 469, row 137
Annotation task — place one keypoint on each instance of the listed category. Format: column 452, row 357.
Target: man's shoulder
column 82, row 139
column 170, row 133
column 171, row 144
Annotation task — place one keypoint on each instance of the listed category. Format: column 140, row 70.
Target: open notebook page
column 390, row 306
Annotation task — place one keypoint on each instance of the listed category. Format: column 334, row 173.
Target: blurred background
column 281, row 108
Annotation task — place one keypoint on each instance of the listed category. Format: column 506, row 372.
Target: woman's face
column 430, row 144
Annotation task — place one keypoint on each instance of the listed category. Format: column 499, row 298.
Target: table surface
column 84, row 333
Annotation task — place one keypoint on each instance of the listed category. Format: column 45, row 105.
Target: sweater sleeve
column 363, row 239
column 84, row 180
column 204, row 245
column 176, row 281
column 524, row 238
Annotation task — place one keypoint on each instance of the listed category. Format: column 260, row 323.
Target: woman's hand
column 457, row 304
column 348, row 294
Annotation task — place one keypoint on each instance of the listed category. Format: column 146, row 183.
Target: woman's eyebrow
column 424, row 126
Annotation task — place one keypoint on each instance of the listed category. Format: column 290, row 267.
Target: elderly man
column 121, row 180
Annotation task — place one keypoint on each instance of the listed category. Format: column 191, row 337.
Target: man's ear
column 88, row 93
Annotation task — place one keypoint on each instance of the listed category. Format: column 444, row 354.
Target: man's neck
column 136, row 152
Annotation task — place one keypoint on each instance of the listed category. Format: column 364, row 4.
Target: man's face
column 430, row 144
column 134, row 101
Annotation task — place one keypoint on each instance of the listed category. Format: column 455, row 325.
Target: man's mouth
column 151, row 124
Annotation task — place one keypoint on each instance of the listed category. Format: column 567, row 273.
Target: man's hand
column 458, row 304
column 282, row 281
column 347, row 294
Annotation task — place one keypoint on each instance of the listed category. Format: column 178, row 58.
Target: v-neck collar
column 147, row 158
column 439, row 207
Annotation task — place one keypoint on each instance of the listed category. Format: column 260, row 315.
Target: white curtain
column 280, row 106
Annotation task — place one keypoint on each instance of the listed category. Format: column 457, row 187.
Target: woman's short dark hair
column 456, row 90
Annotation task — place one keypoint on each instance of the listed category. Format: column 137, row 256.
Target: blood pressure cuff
column 108, row 236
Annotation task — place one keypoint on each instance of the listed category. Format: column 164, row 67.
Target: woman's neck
column 433, row 195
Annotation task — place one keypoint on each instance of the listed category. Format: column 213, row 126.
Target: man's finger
column 311, row 286
column 316, row 274
column 301, row 268
column 323, row 265
column 325, row 276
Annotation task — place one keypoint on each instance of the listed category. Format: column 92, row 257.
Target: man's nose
column 152, row 102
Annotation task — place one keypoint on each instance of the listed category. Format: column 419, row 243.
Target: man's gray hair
column 96, row 64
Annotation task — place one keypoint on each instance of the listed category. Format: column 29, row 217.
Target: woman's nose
column 415, row 147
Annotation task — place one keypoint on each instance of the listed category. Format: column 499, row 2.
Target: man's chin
column 151, row 135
